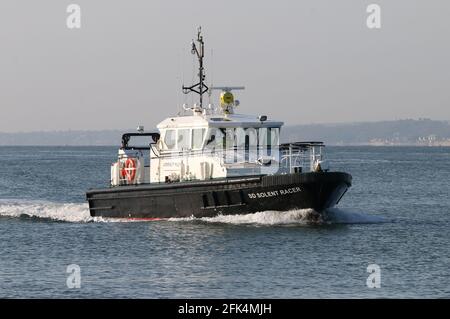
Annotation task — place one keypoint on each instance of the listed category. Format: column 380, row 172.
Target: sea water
column 396, row 216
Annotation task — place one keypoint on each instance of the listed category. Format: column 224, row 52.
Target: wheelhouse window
column 214, row 139
column 198, row 134
column 268, row 138
column 251, row 144
column 248, row 143
column 169, row 139
column 262, row 138
column 240, row 138
column 184, row 139
column 274, row 136
column 241, row 149
column 229, row 138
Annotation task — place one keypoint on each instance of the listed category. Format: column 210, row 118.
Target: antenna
column 200, row 88
column 227, row 88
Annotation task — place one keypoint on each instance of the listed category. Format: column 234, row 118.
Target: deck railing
column 300, row 156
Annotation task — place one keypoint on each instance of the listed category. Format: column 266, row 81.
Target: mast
column 200, row 88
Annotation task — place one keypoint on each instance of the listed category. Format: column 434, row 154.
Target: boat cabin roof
column 222, row 121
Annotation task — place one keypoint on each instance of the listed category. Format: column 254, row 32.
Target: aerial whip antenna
column 200, row 88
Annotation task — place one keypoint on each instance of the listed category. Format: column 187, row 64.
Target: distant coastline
column 421, row 132
column 409, row 132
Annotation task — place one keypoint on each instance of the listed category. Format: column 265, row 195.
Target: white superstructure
column 204, row 145
column 209, row 142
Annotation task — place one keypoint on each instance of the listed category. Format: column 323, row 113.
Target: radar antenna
column 200, row 88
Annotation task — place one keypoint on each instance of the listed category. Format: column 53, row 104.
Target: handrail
column 301, row 155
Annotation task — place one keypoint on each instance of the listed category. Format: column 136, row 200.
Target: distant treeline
column 61, row 138
column 401, row 131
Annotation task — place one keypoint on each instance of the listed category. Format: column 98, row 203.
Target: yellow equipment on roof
column 226, row 98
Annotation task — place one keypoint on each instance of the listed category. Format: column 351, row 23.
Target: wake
column 79, row 213
column 293, row 217
column 68, row 212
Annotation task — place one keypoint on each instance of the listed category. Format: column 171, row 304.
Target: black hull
column 229, row 196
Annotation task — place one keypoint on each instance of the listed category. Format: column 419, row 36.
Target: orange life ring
column 129, row 170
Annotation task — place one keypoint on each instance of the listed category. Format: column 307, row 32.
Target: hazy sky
column 301, row 61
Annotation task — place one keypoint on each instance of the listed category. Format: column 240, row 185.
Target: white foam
column 299, row 217
column 69, row 212
column 293, row 217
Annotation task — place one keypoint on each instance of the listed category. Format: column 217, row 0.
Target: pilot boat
column 210, row 161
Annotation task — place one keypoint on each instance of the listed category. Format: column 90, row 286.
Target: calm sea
column 396, row 215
